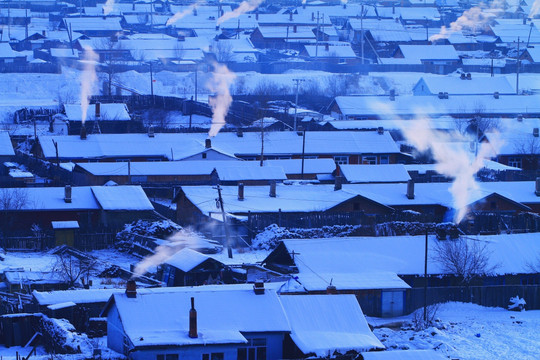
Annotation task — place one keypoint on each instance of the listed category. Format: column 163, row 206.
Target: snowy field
column 471, row 332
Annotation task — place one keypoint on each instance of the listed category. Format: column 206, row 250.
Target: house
column 103, row 26
column 282, row 37
column 376, row 31
column 458, row 106
column 429, row 54
column 345, row 147
column 464, row 85
column 507, row 31
column 27, row 281
column 6, row 147
column 387, row 173
column 218, row 322
column 110, row 118
column 337, row 53
column 370, row 267
column 91, row 207
column 9, row 56
column 248, row 175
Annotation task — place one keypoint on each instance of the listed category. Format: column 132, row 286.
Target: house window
column 385, row 159
column 369, row 160
column 341, row 160
column 255, row 350
column 515, row 162
column 204, row 155
column 167, row 357
column 214, row 356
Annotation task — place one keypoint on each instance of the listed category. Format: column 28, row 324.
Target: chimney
column 258, row 287
column 445, row 95
column 83, row 133
column 344, row 5
column 520, row 117
column 410, row 189
column 338, row 183
column 133, row 6
column 535, row 132
column 393, row 9
column 131, row 289
column 67, row 194
column 462, row 76
column 380, row 130
column 331, row 289
column 537, row 187
column 441, row 95
column 392, row 94
column 241, row 191
column 326, row 47
column 273, row 188
column 312, row 16
column 217, row 27
column 97, row 113
column 290, row 16
column 524, row 20
column 294, row 28
column 151, row 131
column 239, row 132
column 193, row 320
column 44, row 32
column 469, row 77
column 496, row 94
column 257, row 15
column 208, row 143
column 194, row 11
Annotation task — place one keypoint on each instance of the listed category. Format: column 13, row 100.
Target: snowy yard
column 470, row 332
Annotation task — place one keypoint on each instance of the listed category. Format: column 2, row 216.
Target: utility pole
column 517, row 68
column 303, row 151
column 227, row 237
column 296, row 101
column 196, row 81
column 152, row 81
column 129, row 171
column 425, row 277
column 362, row 34
column 316, row 44
column 262, row 142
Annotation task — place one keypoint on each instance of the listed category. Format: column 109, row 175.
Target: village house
column 219, row 322
column 388, row 173
column 463, row 85
column 102, row 26
column 336, row 53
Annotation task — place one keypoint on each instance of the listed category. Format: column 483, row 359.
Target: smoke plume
column 244, row 7
column 535, row 8
column 108, row 7
column 471, row 19
column 88, row 79
column 180, row 240
column 179, row 15
column 453, row 161
column 222, row 79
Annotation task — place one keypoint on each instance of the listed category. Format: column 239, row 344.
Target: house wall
column 495, row 203
column 115, row 331
column 361, row 204
column 209, row 155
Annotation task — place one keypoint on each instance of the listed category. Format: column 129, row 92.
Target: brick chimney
column 208, row 143
column 272, row 188
column 97, row 113
column 331, row 289
column 67, row 194
column 241, row 191
column 258, row 287
column 83, row 133
column 410, row 189
column 338, row 183
column 131, row 289
column 193, row 320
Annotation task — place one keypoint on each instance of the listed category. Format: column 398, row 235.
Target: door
column 392, row 303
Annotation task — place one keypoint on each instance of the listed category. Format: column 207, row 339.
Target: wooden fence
column 492, row 296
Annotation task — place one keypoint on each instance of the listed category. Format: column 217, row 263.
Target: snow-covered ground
column 470, row 332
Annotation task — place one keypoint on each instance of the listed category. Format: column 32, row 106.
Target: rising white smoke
column 474, row 18
column 452, row 161
column 535, row 8
column 88, row 79
column 179, row 15
column 180, row 240
column 244, row 7
column 222, row 79
column 108, row 7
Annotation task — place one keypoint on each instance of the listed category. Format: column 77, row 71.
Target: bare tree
column 529, row 148
column 73, row 268
column 11, row 201
column 223, row 51
column 465, row 258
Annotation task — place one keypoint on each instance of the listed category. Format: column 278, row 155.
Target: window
column 341, row 160
column 369, row 160
column 515, row 162
column 213, row 356
column 167, row 357
column 255, row 350
column 204, row 155
column 385, row 159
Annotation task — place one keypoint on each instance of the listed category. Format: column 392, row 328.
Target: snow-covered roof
column 6, row 147
column 405, row 105
column 158, row 168
column 61, row 305
column 79, row 296
column 223, row 312
column 33, row 277
column 339, row 324
column 403, row 355
column 286, row 32
column 112, row 111
column 497, row 63
column 509, row 30
column 182, row 145
column 429, row 52
column 64, row 53
column 402, row 255
column 226, row 172
column 186, row 259
column 97, row 23
column 330, row 51
column 311, row 166
column 375, row 173
column 7, row 52
column 453, row 85
column 122, row 198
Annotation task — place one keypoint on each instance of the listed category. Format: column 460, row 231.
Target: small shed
column 190, row 268
column 64, row 232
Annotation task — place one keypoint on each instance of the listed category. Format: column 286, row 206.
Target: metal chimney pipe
column 241, row 191
column 338, row 184
column 98, row 110
column 83, row 133
column 537, row 188
column 67, row 194
column 273, row 188
column 193, row 320
column 208, row 143
column 131, row 289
